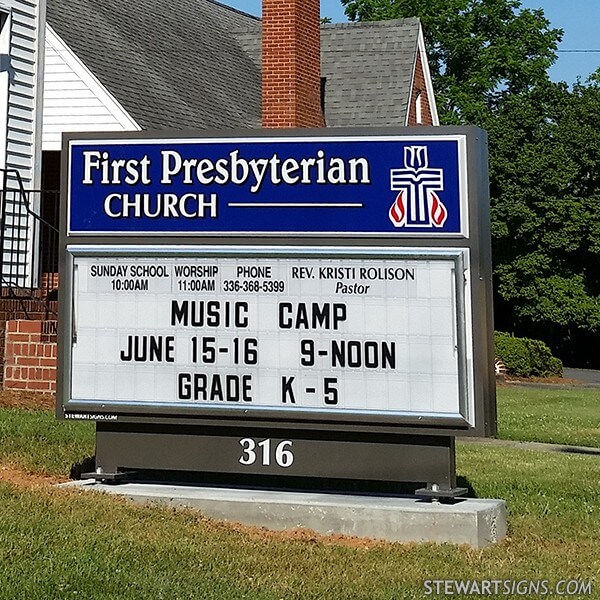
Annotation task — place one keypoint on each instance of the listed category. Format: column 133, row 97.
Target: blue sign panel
column 386, row 185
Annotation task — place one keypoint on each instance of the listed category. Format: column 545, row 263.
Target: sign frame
column 463, row 418
column 483, row 421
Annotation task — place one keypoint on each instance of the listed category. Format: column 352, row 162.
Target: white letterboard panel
column 337, row 334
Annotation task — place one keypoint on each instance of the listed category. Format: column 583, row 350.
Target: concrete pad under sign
column 475, row 522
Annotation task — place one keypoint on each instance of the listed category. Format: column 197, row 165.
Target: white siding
column 74, row 99
column 20, row 133
column 23, row 124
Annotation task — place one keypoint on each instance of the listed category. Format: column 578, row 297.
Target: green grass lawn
column 69, row 544
column 35, row 441
column 58, row 543
column 554, row 415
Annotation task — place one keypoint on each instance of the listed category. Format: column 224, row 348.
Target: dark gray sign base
column 122, row 449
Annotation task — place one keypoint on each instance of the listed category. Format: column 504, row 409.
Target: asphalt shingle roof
column 195, row 64
column 170, row 64
column 368, row 69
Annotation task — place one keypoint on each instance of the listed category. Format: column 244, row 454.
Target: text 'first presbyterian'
column 99, row 167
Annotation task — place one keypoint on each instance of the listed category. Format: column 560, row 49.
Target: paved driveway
column 587, row 376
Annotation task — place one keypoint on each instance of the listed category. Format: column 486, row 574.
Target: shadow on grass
column 85, row 465
column 580, row 450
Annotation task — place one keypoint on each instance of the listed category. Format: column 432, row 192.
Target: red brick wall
column 14, row 309
column 48, row 284
column 419, row 87
column 30, row 356
column 291, row 64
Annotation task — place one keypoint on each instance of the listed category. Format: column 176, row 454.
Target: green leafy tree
column 489, row 61
column 479, row 51
column 545, row 188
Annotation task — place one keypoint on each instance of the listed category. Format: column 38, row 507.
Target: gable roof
column 196, row 63
column 170, row 64
column 368, row 69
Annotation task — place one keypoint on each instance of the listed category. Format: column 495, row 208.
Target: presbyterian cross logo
column 417, row 204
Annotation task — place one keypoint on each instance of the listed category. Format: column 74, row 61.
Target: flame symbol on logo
column 439, row 214
column 398, row 211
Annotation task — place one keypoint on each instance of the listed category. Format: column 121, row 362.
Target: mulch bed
column 27, row 400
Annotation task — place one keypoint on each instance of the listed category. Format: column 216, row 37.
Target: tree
column 480, row 51
column 546, row 216
column 489, row 63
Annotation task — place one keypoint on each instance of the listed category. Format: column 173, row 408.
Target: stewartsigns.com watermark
column 507, row 587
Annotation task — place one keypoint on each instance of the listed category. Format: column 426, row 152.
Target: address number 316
column 266, row 452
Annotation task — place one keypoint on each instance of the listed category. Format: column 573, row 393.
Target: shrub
column 524, row 357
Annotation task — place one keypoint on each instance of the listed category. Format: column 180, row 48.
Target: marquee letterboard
column 378, row 334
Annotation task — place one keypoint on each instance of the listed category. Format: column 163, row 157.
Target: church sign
column 282, row 294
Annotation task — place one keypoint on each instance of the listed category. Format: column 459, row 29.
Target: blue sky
column 580, row 20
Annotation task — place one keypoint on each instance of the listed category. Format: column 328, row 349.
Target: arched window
column 419, row 108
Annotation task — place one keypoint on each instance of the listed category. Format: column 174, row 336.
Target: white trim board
column 427, row 76
column 78, row 102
